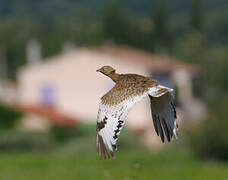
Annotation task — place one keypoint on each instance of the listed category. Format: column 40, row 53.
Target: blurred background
column 49, row 88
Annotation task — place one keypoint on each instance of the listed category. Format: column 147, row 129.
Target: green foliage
column 8, row 117
column 25, row 141
column 63, row 134
column 122, row 22
column 212, row 60
column 17, row 141
column 120, row 28
column 216, row 70
column 196, row 15
column 12, row 43
column 161, row 29
column 190, row 47
column 216, row 26
column 210, row 138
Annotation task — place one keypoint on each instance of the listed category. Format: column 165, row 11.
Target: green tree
column 196, row 15
column 194, row 48
column 161, row 26
column 13, row 42
column 9, row 116
column 209, row 139
column 120, row 28
column 115, row 23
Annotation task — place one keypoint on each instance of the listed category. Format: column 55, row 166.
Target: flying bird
column 115, row 105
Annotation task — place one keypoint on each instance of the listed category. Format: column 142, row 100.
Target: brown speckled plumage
column 127, row 85
column 115, row 105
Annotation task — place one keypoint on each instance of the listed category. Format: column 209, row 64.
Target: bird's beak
column 99, row 70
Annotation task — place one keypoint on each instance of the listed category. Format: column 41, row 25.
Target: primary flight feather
column 115, row 105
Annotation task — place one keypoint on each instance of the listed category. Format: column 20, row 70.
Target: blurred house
column 70, row 84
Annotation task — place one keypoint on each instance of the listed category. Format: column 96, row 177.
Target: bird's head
column 106, row 70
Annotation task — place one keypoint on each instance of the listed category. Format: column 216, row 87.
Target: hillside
column 58, row 11
column 57, row 8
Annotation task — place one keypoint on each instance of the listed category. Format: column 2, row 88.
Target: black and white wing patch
column 110, row 121
column 163, row 113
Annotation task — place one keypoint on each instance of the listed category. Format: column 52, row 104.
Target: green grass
column 78, row 159
column 127, row 165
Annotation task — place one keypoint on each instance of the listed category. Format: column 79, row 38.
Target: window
column 48, row 95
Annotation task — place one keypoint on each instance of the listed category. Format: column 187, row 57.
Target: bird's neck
column 114, row 76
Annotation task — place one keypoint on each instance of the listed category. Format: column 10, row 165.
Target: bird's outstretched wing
column 110, row 121
column 112, row 114
column 163, row 112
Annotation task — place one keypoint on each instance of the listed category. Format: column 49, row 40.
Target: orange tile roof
column 51, row 114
